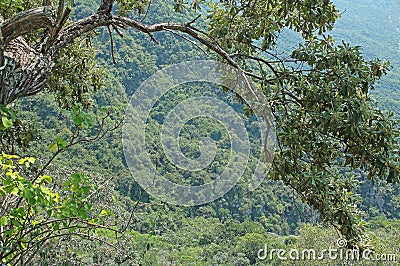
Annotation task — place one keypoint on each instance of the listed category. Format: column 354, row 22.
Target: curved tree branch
column 26, row 22
column 103, row 18
column 57, row 37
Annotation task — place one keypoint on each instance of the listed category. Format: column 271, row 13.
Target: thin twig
column 193, row 21
column 147, row 12
column 60, row 9
column 153, row 38
column 130, row 217
column 115, row 27
column 112, row 44
column 187, row 39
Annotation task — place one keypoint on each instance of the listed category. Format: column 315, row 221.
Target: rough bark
column 24, row 71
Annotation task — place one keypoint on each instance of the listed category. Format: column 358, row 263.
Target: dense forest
column 66, row 141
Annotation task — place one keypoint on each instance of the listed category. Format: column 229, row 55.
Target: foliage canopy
column 330, row 132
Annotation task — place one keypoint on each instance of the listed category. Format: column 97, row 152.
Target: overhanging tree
column 327, row 124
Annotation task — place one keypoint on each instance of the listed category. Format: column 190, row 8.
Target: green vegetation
column 335, row 169
column 377, row 34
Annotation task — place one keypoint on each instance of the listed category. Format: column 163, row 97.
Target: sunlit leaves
column 27, row 161
column 3, row 221
column 44, row 178
column 33, row 207
column 105, row 212
column 7, row 117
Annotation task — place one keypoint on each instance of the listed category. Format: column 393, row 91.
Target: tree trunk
column 24, row 71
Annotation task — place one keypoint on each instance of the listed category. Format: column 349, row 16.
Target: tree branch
column 188, row 40
column 28, row 21
column 103, row 18
column 177, row 27
column 80, row 27
column 60, row 9
column 59, row 36
column 112, row 45
column 106, row 6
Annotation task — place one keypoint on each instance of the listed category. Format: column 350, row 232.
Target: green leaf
column 27, row 193
column 75, row 187
column 88, row 120
column 45, row 178
column 78, row 120
column 12, row 115
column 56, row 226
column 6, row 122
column 61, row 143
column 83, row 214
column 27, row 161
column 3, row 220
column 3, row 109
column 103, row 213
column 2, row 192
column 86, row 189
column 53, row 147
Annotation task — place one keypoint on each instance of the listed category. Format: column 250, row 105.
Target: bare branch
column 59, row 37
column 117, row 30
column 80, row 27
column 62, row 18
column 112, row 44
column 153, row 38
column 123, row 230
column 193, row 21
column 147, row 12
column 106, row 6
column 262, row 60
column 102, row 18
column 60, row 9
column 187, row 39
column 181, row 28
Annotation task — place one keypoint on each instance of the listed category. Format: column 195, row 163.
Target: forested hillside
column 228, row 231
